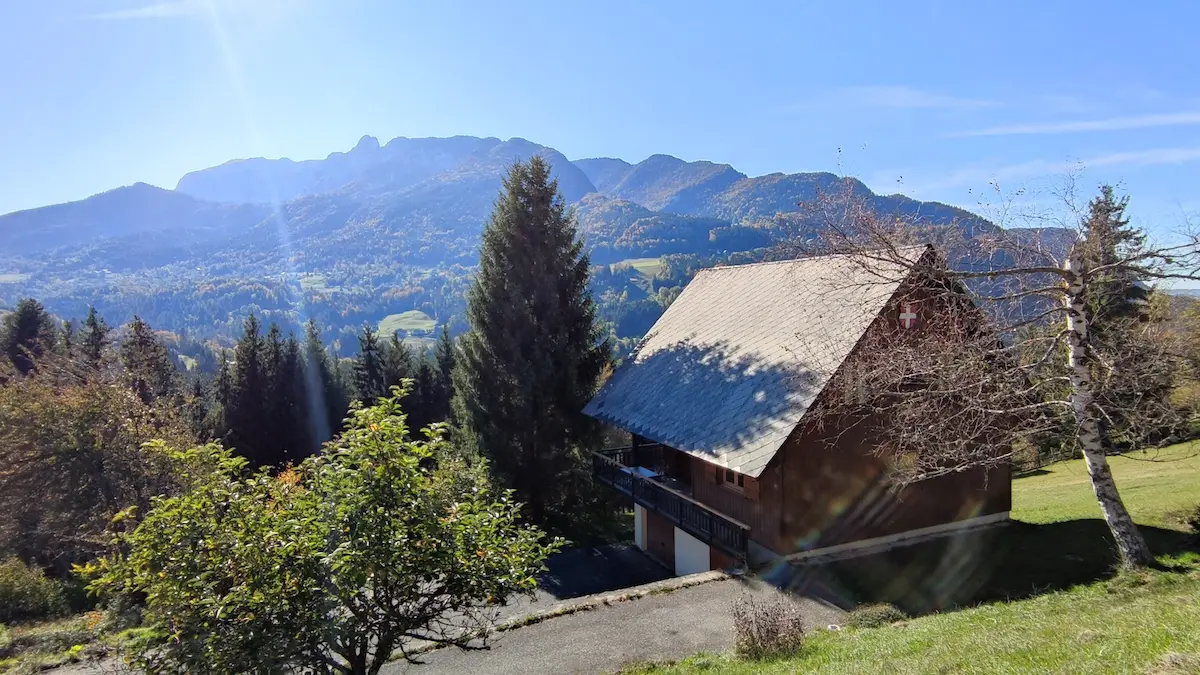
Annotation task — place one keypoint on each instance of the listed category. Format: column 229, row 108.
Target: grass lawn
column 1157, row 486
column 13, row 278
column 413, row 319
column 647, row 267
column 1051, row 600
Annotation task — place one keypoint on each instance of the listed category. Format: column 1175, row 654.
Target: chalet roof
column 734, row 363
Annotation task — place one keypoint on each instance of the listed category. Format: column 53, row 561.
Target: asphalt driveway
column 663, row 626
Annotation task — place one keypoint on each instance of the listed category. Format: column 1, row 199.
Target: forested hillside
column 388, row 235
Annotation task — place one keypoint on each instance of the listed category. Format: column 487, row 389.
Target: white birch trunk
column 1132, row 545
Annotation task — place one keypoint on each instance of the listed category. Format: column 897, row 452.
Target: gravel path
column 664, row 626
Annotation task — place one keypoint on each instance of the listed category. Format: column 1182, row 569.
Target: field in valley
column 413, row 319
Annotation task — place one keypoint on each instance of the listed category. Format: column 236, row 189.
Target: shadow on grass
column 1018, row 560
column 1030, row 473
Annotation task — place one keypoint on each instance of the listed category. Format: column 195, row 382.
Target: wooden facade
column 815, row 494
column 825, row 484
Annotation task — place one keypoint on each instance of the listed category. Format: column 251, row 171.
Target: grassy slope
column 1122, row 624
column 647, row 267
column 1156, row 486
column 413, row 319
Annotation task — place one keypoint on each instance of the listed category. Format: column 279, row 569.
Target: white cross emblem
column 908, row 317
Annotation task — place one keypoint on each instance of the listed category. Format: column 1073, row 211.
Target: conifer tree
column 1115, row 295
column 67, row 337
column 532, row 356
column 443, row 356
column 245, row 409
column 94, row 338
column 421, row 401
column 369, row 382
column 325, row 398
column 1117, row 300
column 147, row 363
column 26, row 334
column 399, row 362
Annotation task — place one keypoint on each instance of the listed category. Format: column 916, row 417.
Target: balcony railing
column 689, row 515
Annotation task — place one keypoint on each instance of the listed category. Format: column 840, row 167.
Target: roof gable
column 734, row 363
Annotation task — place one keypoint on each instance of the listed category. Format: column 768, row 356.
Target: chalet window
column 734, row 480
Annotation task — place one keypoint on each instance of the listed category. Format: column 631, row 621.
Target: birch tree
column 1026, row 334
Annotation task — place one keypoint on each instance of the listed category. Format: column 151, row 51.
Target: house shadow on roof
column 711, row 399
column 1016, row 561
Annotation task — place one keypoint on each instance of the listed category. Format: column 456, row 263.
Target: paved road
column 667, row 626
column 586, row 571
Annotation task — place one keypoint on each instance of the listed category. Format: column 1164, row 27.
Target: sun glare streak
column 314, row 395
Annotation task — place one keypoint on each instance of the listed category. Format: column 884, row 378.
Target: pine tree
column 27, row 333
column 399, row 362
column 531, row 359
column 66, row 336
column 147, row 363
column 1114, row 298
column 443, row 355
column 246, row 407
column 325, row 400
column 1118, row 304
column 94, row 338
column 369, row 383
column 420, row 403
column 276, row 431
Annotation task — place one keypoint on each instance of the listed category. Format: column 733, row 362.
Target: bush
column 1193, row 520
column 378, row 539
column 767, row 628
column 874, row 616
column 26, row 593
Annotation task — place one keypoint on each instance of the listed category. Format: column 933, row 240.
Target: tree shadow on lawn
column 1018, row 560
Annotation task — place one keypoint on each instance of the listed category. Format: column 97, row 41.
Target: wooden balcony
column 700, row 521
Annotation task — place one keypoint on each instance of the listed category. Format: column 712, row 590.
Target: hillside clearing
column 314, row 282
column 413, row 319
column 1075, row 616
column 647, row 267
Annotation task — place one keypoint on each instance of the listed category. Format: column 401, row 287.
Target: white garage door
column 691, row 554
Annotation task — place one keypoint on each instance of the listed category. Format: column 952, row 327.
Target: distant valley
column 387, row 234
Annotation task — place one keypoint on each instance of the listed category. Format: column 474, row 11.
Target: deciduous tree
column 1064, row 347
column 374, row 546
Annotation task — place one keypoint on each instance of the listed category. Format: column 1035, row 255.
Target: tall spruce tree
column 1115, row 296
column 532, row 356
column 1118, row 305
column 246, row 404
column 399, row 362
column 369, row 382
column 147, row 362
column 26, row 334
column 325, row 397
column 443, row 356
column 93, row 339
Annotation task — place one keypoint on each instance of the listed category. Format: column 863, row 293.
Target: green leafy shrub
column 330, row 566
column 874, row 616
column 766, row 629
column 26, row 593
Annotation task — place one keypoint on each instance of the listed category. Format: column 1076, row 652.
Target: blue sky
column 935, row 101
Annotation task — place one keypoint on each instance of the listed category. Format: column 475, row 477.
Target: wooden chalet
column 727, row 466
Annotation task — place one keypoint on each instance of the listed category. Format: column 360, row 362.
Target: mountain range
column 384, row 229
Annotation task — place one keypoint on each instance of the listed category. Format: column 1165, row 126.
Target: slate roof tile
column 730, row 369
